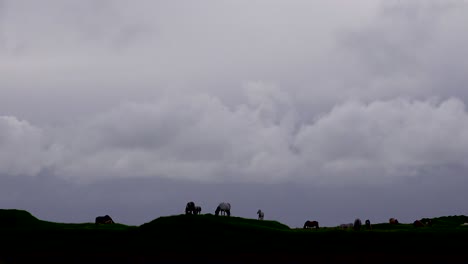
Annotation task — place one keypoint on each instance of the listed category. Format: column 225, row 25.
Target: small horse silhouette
column 368, row 225
column 104, row 220
column 311, row 224
column 260, row 214
column 357, row 224
column 190, row 208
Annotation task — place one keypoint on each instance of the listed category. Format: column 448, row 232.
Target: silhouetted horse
column 393, row 221
column 357, row 224
column 260, row 214
column 197, row 210
column 223, row 208
column 368, row 225
column 190, row 208
column 104, row 220
column 311, row 224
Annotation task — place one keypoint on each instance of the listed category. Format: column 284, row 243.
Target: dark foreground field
column 211, row 239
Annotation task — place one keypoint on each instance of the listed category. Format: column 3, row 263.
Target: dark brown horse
column 393, row 221
column 368, row 225
column 104, row 220
column 190, row 208
column 311, row 224
column 357, row 224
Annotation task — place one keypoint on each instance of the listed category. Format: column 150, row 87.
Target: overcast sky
column 309, row 110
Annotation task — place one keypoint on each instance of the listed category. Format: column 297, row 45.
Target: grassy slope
column 21, row 233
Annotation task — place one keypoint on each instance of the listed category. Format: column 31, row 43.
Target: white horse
column 223, row 208
column 260, row 214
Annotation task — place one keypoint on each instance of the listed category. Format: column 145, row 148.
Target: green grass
column 14, row 220
column 21, row 232
column 209, row 221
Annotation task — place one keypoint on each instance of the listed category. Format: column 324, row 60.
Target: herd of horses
column 357, row 225
column 225, row 209
column 190, row 209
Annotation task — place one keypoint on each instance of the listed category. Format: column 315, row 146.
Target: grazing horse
column 104, row 220
column 190, row 208
column 223, row 208
column 357, row 224
column 311, row 224
column 418, row 223
column 368, row 225
column 393, row 221
column 197, row 210
column 260, row 214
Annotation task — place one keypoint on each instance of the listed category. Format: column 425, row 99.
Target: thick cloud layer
column 329, row 95
column 22, row 147
column 201, row 139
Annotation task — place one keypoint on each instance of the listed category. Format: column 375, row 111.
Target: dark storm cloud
column 199, row 138
column 379, row 85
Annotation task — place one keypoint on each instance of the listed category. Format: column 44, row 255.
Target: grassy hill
column 18, row 219
column 181, row 237
column 12, row 220
column 210, row 222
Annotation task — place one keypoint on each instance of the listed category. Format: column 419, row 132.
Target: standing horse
column 357, row 224
column 190, row 208
column 104, row 220
column 311, row 224
column 393, row 221
column 260, row 214
column 224, row 208
column 197, row 210
column 368, row 225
